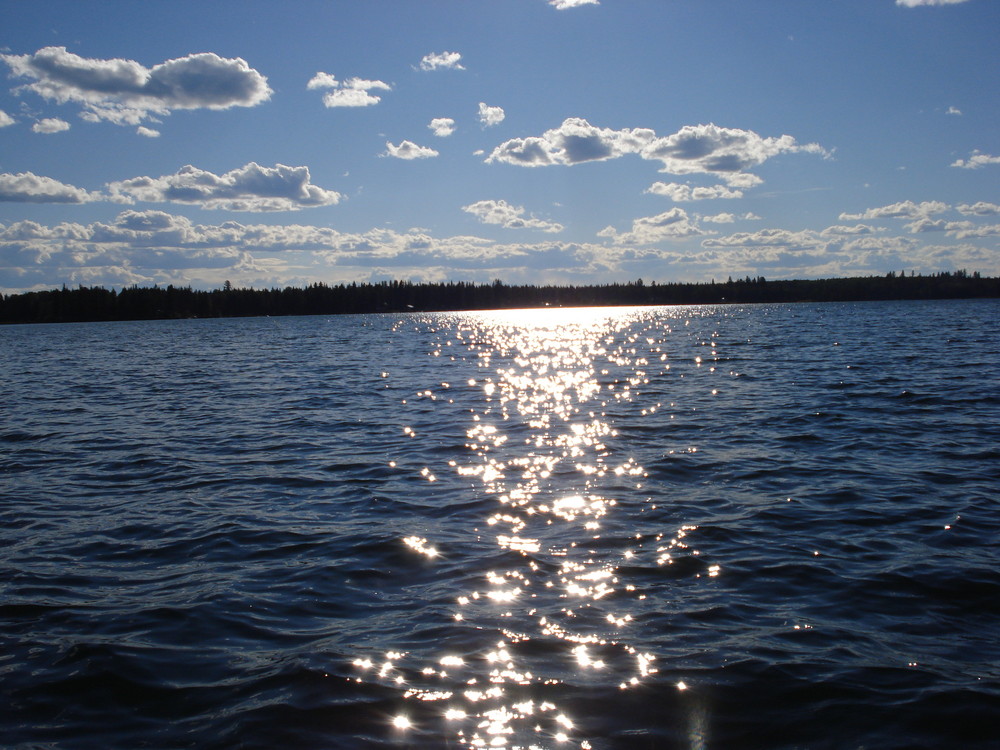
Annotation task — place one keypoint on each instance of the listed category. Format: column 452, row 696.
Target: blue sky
column 534, row 141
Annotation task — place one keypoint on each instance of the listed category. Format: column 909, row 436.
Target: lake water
column 769, row 526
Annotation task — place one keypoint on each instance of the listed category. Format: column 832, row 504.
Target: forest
column 147, row 303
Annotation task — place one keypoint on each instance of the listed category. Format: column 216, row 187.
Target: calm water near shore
column 762, row 526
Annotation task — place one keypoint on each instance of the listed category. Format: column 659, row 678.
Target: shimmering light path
column 559, row 605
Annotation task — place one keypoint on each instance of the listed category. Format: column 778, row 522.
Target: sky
column 532, row 141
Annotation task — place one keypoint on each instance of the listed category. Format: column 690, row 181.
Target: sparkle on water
column 537, row 446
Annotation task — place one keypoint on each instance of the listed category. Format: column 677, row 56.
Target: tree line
column 147, row 303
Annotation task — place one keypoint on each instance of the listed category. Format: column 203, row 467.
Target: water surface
column 767, row 526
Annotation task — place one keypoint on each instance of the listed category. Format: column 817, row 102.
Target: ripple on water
column 728, row 526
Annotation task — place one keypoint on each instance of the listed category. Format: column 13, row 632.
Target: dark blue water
column 708, row 527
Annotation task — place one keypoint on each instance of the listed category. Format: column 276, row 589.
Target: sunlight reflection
column 540, row 444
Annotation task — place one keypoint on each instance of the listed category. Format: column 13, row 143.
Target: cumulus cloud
column 573, row 142
column 916, row 3
column 442, row 61
column 981, row 208
column 728, row 218
column 5, row 119
column 409, row 150
column 767, row 238
column 682, row 193
column 508, row 216
column 963, row 230
column 902, row 210
column 249, row 188
column 927, row 224
column 723, row 218
column 845, row 231
column 490, row 116
column 710, row 149
column 50, row 125
column 150, row 246
column 126, row 92
column 564, row 4
column 672, row 224
column 442, row 126
column 27, row 187
column 953, row 111
column 354, row 92
column 147, row 132
column 742, row 180
column 976, row 160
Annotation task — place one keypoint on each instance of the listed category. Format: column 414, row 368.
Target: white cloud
column 742, row 180
column 573, row 142
column 508, row 216
column 927, row 224
column 490, row 116
column 409, row 150
column 976, row 160
column 5, row 119
column 249, row 188
column 709, row 148
column 768, row 238
column 126, row 92
column 728, row 218
column 564, row 4
column 980, row 208
column 953, row 111
column 27, row 187
column 147, row 132
column 725, row 152
column 902, row 210
column 441, row 61
column 962, row 231
column 672, row 224
column 50, row 125
column 442, row 126
column 916, row 3
column 354, row 92
column 841, row 231
column 154, row 247
column 682, row 193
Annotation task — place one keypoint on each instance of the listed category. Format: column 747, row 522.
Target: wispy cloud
column 566, row 4
column 917, row 3
column 901, row 210
column 126, row 93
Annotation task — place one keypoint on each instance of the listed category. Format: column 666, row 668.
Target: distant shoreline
column 86, row 304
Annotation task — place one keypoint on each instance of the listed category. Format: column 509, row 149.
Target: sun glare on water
column 537, row 445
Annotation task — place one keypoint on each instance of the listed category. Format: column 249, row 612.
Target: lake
column 757, row 526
